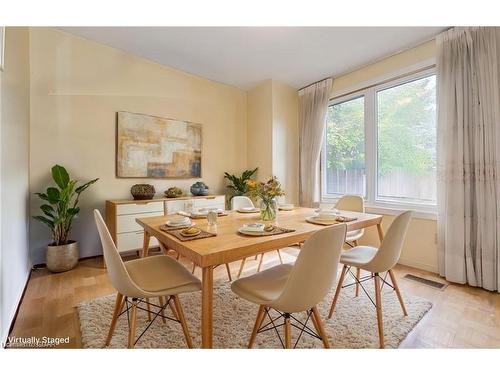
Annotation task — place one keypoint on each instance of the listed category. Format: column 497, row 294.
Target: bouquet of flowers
column 267, row 192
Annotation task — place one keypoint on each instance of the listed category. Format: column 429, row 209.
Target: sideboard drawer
column 127, row 223
column 133, row 241
column 136, row 208
column 216, row 202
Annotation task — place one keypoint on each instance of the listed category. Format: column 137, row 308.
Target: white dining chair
column 377, row 261
column 290, row 289
column 354, row 203
column 139, row 280
column 238, row 202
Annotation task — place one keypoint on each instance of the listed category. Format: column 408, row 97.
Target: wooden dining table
column 229, row 245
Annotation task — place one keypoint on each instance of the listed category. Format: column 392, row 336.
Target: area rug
column 353, row 325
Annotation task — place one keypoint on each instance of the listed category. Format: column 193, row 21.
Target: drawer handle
column 210, row 198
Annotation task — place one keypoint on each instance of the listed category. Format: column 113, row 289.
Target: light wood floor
column 462, row 317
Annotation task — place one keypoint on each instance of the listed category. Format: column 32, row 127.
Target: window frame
column 373, row 202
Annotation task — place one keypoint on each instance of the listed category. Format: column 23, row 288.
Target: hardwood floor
column 462, row 317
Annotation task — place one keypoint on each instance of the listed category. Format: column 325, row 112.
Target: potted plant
column 267, row 192
column 58, row 214
column 238, row 184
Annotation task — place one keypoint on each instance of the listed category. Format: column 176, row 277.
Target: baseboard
column 415, row 264
column 15, row 311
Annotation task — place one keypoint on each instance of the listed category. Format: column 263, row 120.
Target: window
column 381, row 143
column 345, row 148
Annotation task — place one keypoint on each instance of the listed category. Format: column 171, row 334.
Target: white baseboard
column 5, row 334
column 419, row 265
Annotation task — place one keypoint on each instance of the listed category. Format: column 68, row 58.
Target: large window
column 381, row 143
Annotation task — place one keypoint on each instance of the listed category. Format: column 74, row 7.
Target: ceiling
column 245, row 56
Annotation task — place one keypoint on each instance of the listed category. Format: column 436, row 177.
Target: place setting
column 328, row 217
column 184, row 229
column 202, row 213
column 261, row 229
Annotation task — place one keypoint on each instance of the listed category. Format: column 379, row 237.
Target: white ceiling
column 245, row 56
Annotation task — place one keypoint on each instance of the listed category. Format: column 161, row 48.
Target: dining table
column 229, row 245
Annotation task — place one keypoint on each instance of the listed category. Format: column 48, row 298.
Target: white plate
column 315, row 220
column 171, row 223
column 248, row 210
column 251, row 233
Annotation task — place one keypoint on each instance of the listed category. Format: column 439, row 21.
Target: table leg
column 380, row 232
column 145, row 244
column 207, row 306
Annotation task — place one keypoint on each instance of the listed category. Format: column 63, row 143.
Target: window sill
column 393, row 209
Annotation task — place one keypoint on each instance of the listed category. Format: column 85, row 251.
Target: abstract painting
column 156, row 147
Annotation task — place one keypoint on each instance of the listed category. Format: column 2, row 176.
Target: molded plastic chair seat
column 358, row 256
column 161, row 275
column 354, row 235
column 263, row 287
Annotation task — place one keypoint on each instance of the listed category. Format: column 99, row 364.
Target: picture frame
column 150, row 146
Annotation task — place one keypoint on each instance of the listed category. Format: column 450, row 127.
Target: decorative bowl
column 173, row 192
column 142, row 191
column 199, row 188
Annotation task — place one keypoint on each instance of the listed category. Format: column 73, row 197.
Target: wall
column 14, row 151
column 77, row 86
column 272, row 134
column 259, row 129
column 420, row 249
column 286, row 139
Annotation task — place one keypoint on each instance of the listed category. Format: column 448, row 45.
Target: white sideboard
column 121, row 215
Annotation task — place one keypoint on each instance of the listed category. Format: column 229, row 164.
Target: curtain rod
column 384, row 81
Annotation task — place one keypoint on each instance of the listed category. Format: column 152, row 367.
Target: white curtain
column 313, row 105
column 469, row 156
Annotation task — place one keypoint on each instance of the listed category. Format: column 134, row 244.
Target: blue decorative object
column 199, row 188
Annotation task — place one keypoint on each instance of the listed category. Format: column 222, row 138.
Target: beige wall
column 420, row 249
column 273, row 134
column 286, row 139
column 77, row 86
column 386, row 66
column 260, row 129
column 14, row 167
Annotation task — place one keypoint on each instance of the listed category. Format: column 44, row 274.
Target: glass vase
column 268, row 208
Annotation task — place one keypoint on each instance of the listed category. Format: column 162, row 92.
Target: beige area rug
column 353, row 324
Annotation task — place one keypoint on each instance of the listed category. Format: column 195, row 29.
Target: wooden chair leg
column 178, row 256
column 133, row 318
column 337, row 292
column 194, row 267
column 162, row 302
column 398, row 292
column 260, row 262
column 358, row 275
column 172, row 307
column 378, row 301
column 318, row 324
column 256, row 255
column 228, row 272
column 118, row 308
column 241, row 267
column 180, row 313
column 288, row 333
column 279, row 255
column 258, row 324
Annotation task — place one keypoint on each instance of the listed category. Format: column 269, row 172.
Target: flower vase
column 268, row 210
